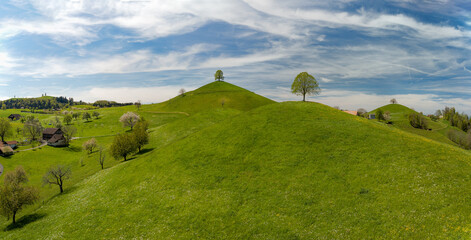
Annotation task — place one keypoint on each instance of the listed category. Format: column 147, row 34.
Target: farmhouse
column 57, row 140
column 372, row 116
column 14, row 117
column 12, row 144
column 48, row 133
column 6, row 150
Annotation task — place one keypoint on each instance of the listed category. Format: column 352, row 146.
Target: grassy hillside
column 212, row 96
column 400, row 119
column 282, row 171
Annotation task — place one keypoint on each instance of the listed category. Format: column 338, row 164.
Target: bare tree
column 101, row 156
column 89, row 145
column 14, row 195
column 57, row 175
column 129, row 119
column 182, row 92
column 32, row 129
column 138, row 104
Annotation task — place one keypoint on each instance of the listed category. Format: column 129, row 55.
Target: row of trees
column 127, row 143
column 461, row 121
column 37, row 103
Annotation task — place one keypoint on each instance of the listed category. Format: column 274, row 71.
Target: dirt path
column 28, row 149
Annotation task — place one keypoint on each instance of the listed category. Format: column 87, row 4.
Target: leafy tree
column 418, row 120
column 68, row 132
column 219, row 75
column 96, row 114
column 305, row 84
column 14, row 195
column 5, row 128
column 362, row 112
column 57, row 122
column 89, row 145
column 4, row 107
column 387, row 115
column 138, row 104
column 129, row 119
column 67, row 119
column 57, row 175
column 393, row 101
column 122, row 146
column 101, row 156
column 86, row 116
column 141, row 136
column 380, row 114
column 32, row 128
column 182, row 92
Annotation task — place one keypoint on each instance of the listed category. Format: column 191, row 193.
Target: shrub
column 418, row 120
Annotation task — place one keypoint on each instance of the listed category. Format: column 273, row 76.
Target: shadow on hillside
column 73, row 148
column 23, row 221
column 145, row 150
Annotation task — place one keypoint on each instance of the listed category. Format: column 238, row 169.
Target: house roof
column 50, row 130
column 56, row 138
column 12, row 142
column 6, row 149
column 351, row 112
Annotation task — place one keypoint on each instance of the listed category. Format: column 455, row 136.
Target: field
column 289, row 170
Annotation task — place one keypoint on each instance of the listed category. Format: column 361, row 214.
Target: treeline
column 459, row 120
column 37, row 103
column 105, row 103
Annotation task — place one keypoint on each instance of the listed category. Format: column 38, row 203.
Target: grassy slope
column 210, row 96
column 399, row 117
column 283, row 171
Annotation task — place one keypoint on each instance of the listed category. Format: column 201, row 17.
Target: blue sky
column 363, row 53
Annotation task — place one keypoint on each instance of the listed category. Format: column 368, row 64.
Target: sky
column 362, row 53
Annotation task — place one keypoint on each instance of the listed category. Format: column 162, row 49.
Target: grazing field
column 282, row 171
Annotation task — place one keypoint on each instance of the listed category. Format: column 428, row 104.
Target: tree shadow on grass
column 73, row 148
column 146, row 150
column 25, row 220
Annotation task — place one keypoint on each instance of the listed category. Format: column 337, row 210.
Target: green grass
column 211, row 96
column 281, row 171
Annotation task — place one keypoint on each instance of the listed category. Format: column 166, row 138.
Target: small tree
column 5, row 128
column 101, row 156
column 305, row 84
column 122, row 146
column 57, row 175
column 67, row 119
column 76, row 115
column 129, row 119
column 14, row 195
column 68, row 132
column 380, row 114
column 219, row 75
column 86, row 116
column 418, row 120
column 96, row 114
column 32, row 129
column 387, row 115
column 141, row 136
column 57, row 122
column 89, row 145
column 362, row 112
column 4, row 107
column 393, row 101
column 182, row 92
column 138, row 104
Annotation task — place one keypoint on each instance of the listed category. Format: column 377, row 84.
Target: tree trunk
column 139, row 148
column 14, row 215
column 60, row 186
column 304, row 97
column 2, row 139
column 125, row 158
column 102, row 166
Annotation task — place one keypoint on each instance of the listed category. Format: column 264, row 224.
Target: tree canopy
column 305, row 84
column 219, row 75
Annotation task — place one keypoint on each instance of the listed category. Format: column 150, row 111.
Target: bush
column 418, row 120
column 460, row 138
column 380, row 115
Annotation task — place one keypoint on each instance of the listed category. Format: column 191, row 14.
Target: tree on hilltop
column 304, row 84
column 393, row 101
column 219, row 75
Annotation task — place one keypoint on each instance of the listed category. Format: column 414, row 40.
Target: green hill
column 282, row 171
column 400, row 119
column 210, row 96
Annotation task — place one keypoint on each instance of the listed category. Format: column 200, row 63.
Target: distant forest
column 47, row 102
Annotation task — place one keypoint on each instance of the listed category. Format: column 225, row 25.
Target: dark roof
column 55, row 138
column 12, row 142
column 50, row 130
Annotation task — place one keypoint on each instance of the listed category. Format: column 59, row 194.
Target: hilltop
column 288, row 170
column 400, row 119
column 217, row 94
